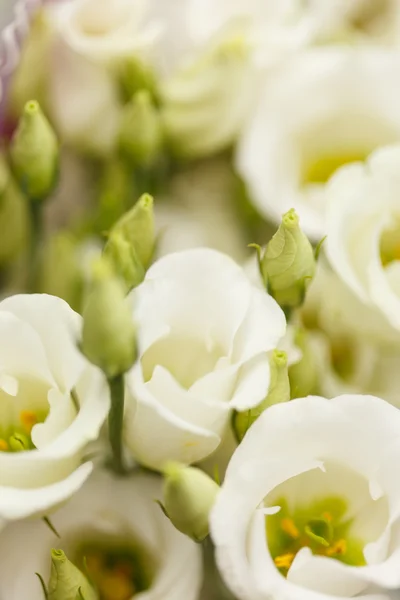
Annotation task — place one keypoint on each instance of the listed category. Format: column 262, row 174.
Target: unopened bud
column 60, row 270
column 136, row 76
column 34, row 153
column 137, row 228
column 288, row 263
column 67, row 582
column 189, row 495
column 279, row 391
column 108, row 337
column 123, row 256
column 14, row 216
column 116, row 194
column 303, row 375
column 141, row 130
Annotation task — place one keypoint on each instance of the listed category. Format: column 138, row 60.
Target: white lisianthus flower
column 347, row 105
column 107, row 30
column 204, row 334
column 367, row 21
column 53, row 402
column 363, row 216
column 109, row 520
column 310, row 504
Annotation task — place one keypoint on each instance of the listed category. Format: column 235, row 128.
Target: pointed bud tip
column 291, row 219
column 58, row 555
column 32, row 108
column 280, row 358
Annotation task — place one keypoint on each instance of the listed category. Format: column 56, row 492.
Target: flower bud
column 135, row 75
column 67, row 582
column 34, row 153
column 116, row 194
column 60, row 270
column 279, row 391
column 137, row 228
column 303, row 375
column 108, row 336
column 14, row 216
column 123, row 256
column 30, row 78
column 141, row 130
column 189, row 495
column 288, row 263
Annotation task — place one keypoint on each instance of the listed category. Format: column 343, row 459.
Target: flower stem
column 115, row 421
column 34, row 255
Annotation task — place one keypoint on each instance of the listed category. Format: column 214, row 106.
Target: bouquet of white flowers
column 200, row 299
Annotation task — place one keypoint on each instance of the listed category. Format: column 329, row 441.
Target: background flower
column 109, row 517
column 52, row 404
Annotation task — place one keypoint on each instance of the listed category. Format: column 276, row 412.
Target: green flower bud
column 67, row 582
column 189, row 495
column 288, row 263
column 279, row 391
column 141, row 134
column 126, row 262
column 60, row 271
column 303, row 375
column 135, row 75
column 137, row 227
column 35, row 153
column 108, row 336
column 30, row 79
column 14, row 216
column 116, row 194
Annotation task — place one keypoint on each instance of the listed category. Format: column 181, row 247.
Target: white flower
column 310, row 504
column 204, row 333
column 198, row 212
column 52, row 404
column 106, row 30
column 108, row 516
column 346, row 105
column 363, row 226
column 367, row 21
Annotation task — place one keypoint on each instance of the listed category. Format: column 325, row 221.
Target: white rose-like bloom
column 204, row 333
column 310, row 505
column 52, row 403
column 363, row 227
column 108, row 516
column 347, row 105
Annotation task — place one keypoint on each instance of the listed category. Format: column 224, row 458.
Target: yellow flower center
column 321, row 169
column 18, row 438
column 117, row 570
column 320, row 527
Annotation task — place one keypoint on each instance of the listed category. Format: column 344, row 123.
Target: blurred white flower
column 52, row 404
column 108, row 517
column 324, row 109
column 198, row 211
column 204, row 333
column 363, row 217
column 310, row 505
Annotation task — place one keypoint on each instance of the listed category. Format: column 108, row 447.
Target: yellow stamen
column 4, row 447
column 289, row 527
column 115, row 587
column 28, row 419
column 327, row 516
column 339, row 547
column 284, row 561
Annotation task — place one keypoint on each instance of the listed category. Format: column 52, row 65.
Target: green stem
column 36, row 233
column 115, row 421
